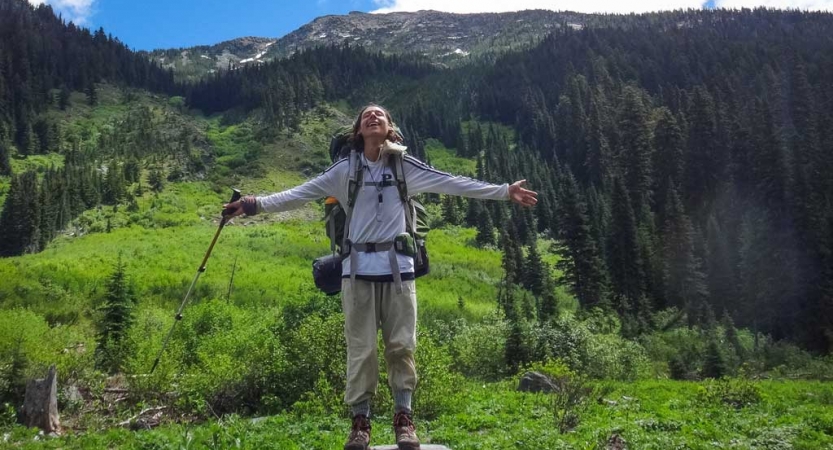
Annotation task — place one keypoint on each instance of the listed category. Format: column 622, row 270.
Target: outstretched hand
column 246, row 205
column 521, row 196
column 233, row 209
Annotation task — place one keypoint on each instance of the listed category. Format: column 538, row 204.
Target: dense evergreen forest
column 686, row 157
column 683, row 161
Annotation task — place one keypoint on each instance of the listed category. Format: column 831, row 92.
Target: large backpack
column 337, row 221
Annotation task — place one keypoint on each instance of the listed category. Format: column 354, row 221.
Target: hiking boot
column 404, row 429
column 359, row 438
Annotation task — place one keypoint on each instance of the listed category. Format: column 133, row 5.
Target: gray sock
column 362, row 408
column 402, row 401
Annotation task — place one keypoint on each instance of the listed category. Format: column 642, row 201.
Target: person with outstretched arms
column 378, row 288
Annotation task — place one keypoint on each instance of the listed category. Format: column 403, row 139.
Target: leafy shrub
column 8, row 416
column 322, row 400
column 612, row 357
column 602, row 356
column 735, row 392
column 478, row 350
column 573, row 394
column 299, row 356
column 437, row 388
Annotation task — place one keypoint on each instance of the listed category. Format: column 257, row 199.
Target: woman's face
column 374, row 123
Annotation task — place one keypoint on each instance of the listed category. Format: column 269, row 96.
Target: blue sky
column 151, row 24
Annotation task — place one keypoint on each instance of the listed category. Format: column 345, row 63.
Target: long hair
column 394, row 135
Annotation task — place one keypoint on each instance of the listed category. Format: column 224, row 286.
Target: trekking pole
column 235, row 196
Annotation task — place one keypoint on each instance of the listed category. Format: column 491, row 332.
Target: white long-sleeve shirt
column 373, row 221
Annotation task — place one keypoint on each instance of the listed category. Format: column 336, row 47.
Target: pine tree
column 580, row 262
column 485, row 229
column 599, row 160
column 92, row 94
column 705, row 160
column 517, row 352
column 720, row 270
column 156, row 180
column 5, row 161
column 512, row 258
column 668, row 159
column 636, row 147
column 473, row 212
column 685, row 285
column 113, row 190
column 117, row 317
column 756, row 287
column 451, row 213
column 536, row 272
column 624, row 258
column 63, row 98
column 714, row 365
column 20, row 218
column 732, row 335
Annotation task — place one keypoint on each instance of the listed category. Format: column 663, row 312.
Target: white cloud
column 586, row 6
column 77, row 11
column 811, row 5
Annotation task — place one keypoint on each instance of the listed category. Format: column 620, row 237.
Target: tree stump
column 40, row 404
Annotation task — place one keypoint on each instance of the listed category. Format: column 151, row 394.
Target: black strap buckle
column 370, row 247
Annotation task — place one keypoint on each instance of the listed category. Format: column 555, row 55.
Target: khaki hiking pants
column 368, row 306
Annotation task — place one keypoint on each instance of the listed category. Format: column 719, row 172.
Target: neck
column 372, row 148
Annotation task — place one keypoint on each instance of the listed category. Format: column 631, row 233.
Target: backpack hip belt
column 372, row 247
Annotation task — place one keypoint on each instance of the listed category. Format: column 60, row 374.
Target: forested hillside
column 684, row 230
column 699, row 144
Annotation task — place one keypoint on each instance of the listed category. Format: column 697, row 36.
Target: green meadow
column 258, row 359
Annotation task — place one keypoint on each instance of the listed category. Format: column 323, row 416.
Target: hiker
column 377, row 283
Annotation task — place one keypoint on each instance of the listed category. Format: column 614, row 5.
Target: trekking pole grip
column 234, row 197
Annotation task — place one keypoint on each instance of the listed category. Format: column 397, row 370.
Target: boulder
column 537, row 382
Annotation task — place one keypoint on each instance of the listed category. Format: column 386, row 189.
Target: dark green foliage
column 535, row 275
column 485, row 229
column 20, row 218
column 512, row 257
column 715, row 363
column 705, row 161
column 42, row 52
column 5, row 163
column 452, row 209
column 668, row 159
column 12, row 375
column 63, row 98
column 113, row 187
column 581, row 263
column 518, row 350
column 684, row 281
column 624, row 258
column 636, row 149
column 721, row 273
column 156, row 179
column 737, row 393
column 732, row 336
column 112, row 347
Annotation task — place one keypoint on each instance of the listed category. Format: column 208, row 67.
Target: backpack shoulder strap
column 396, row 165
column 354, row 182
column 355, row 178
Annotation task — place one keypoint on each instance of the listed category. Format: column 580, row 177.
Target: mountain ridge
column 445, row 38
